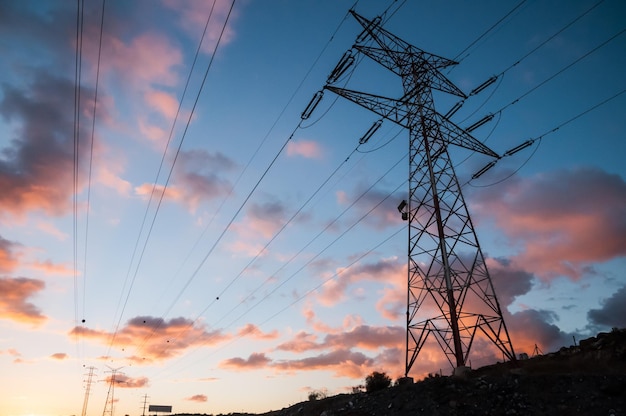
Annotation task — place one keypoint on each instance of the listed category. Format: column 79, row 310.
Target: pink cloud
column 200, row 398
column 305, row 148
column 254, row 361
column 8, row 259
column 343, row 362
column 50, row 268
column 126, row 382
column 193, row 19
column 59, row 356
column 261, row 220
column 564, row 221
column 165, row 104
column 149, row 58
column 253, row 331
column 154, row 339
column 334, row 291
column 364, row 337
column 14, row 303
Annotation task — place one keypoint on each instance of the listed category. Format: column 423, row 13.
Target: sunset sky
column 174, row 218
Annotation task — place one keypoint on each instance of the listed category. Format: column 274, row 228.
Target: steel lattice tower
column 446, row 268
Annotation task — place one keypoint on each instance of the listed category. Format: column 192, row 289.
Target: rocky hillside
column 588, row 379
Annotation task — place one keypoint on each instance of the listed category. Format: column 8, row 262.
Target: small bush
column 377, row 381
column 317, row 395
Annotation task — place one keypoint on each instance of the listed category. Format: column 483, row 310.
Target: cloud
column 197, row 179
column 126, row 382
column 14, row 303
column 261, row 220
column 8, row 260
column 36, row 170
column 612, row 314
column 145, row 60
column 334, row 290
column 564, row 221
column 193, row 19
column 50, row 268
column 531, row 327
column 305, row 148
column 59, row 356
column 363, row 336
column 200, row 398
column 154, row 339
column 253, row 331
column 254, row 361
column 303, row 341
column 343, row 362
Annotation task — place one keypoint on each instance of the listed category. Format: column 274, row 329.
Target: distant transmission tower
column 87, row 390
column 447, row 273
column 110, row 402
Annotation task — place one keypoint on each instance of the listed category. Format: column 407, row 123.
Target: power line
column 172, row 167
column 562, row 70
column 224, row 231
column 540, row 137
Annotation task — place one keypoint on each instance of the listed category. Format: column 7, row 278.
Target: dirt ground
column 588, row 379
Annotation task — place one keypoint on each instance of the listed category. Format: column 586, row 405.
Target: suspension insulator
column 312, row 104
column 368, row 29
column 346, row 62
column 454, row 109
column 480, row 122
column 484, row 85
column 370, row 132
column 485, row 169
column 519, row 147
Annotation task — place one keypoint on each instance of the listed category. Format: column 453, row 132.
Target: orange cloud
column 154, row 339
column 305, row 148
column 334, row 291
column 126, row 382
column 49, row 268
column 254, row 361
column 255, row 332
column 343, row 362
column 200, row 398
column 14, row 304
column 564, row 221
column 59, row 356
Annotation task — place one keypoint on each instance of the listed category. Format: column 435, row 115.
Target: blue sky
column 227, row 256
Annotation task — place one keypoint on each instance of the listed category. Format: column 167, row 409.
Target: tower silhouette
column 447, row 273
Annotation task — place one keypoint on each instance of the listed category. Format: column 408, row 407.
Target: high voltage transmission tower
column 110, row 401
column 87, row 390
column 447, row 273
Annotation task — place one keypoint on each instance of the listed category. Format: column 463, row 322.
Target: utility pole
column 87, row 390
column 446, row 267
column 111, row 393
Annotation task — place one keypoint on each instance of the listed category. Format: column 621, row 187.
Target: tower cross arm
column 454, row 134
column 389, row 108
column 407, row 63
